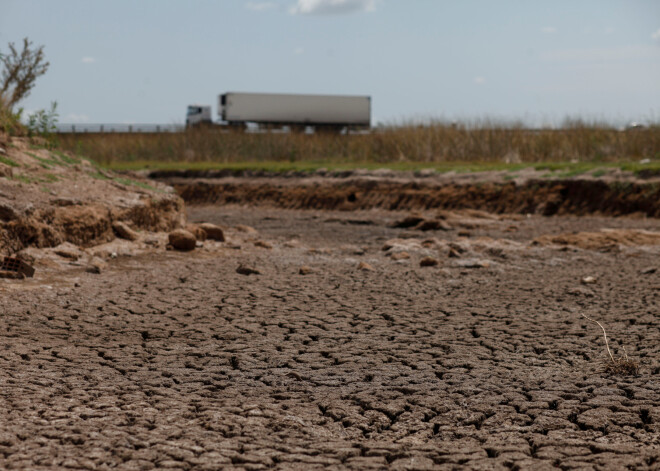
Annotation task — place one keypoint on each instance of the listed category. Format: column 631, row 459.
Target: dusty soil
column 365, row 361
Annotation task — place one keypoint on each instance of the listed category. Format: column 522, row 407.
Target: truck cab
column 198, row 115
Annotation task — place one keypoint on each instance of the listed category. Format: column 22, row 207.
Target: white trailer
column 296, row 111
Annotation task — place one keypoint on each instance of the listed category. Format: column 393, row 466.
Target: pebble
column 588, row 280
column 364, row 266
column 181, row 239
column 124, row 232
column 213, row 232
column 243, row 270
column 305, row 270
column 428, row 262
column 400, row 256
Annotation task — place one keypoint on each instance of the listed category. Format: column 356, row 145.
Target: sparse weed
column 623, row 366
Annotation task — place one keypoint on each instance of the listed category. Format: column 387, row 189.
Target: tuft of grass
column 143, row 185
column 8, row 161
column 623, row 366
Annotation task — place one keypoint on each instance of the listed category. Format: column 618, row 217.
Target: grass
column 404, row 147
column 617, row 366
column 8, row 161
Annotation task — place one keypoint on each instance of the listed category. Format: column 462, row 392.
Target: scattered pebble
column 213, row 232
column 364, row 266
column 588, row 280
column 473, row 263
column 305, row 270
column 246, row 229
column 262, row 244
column 428, row 262
column 124, row 232
column 96, row 265
column 400, row 256
column 243, row 270
column 181, row 239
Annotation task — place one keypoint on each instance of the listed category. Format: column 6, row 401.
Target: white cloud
column 299, row 50
column 260, row 6
column 479, row 80
column 331, row 7
column 549, row 29
column 656, row 35
column 88, row 60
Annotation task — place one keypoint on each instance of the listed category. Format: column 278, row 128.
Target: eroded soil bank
column 528, row 194
column 363, row 360
column 49, row 198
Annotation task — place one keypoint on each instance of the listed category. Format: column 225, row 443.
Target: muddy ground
column 368, row 360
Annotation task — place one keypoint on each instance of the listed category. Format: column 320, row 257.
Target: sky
column 540, row 61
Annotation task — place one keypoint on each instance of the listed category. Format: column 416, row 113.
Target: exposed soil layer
column 545, row 197
column 48, row 198
column 363, row 360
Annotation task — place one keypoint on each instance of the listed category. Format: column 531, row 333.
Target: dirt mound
column 604, row 240
column 545, row 197
column 48, row 197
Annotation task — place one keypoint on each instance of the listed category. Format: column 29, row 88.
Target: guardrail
column 117, row 128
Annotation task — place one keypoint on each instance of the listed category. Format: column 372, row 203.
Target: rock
column 428, row 262
column 579, row 291
column 400, row 256
column 649, row 271
column 213, row 232
column 246, row 229
column 433, row 225
column 199, row 233
column 68, row 250
column 473, row 263
column 305, row 270
column 588, row 280
column 453, row 253
column 243, row 270
column 124, row 232
column 7, row 212
column 263, row 244
column 96, row 265
column 181, row 239
column 409, row 221
column 364, row 266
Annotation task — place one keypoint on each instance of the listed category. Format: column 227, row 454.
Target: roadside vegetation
column 578, row 146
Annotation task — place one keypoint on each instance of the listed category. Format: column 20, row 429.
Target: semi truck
column 297, row 112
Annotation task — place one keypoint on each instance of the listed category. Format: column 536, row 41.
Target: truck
column 295, row 111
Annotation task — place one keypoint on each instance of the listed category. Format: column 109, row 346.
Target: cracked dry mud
column 175, row 361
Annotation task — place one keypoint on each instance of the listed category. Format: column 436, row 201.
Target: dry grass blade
column 621, row 366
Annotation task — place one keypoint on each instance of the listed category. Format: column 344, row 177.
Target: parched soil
column 344, row 352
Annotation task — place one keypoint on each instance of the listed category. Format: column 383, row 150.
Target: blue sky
column 123, row 61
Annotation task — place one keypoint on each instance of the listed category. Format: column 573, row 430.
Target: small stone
column 123, row 231
column 263, row 244
column 305, row 270
column 364, row 266
column 428, row 262
column 473, row 263
column 181, row 239
column 246, row 229
column 453, row 253
column 213, row 232
column 409, row 221
column 433, row 225
column 649, row 271
column 588, row 280
column 400, row 256
column 243, row 270
column 96, row 265
column 199, row 233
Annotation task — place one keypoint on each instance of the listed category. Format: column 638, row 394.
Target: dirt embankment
column 536, row 196
column 49, row 197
